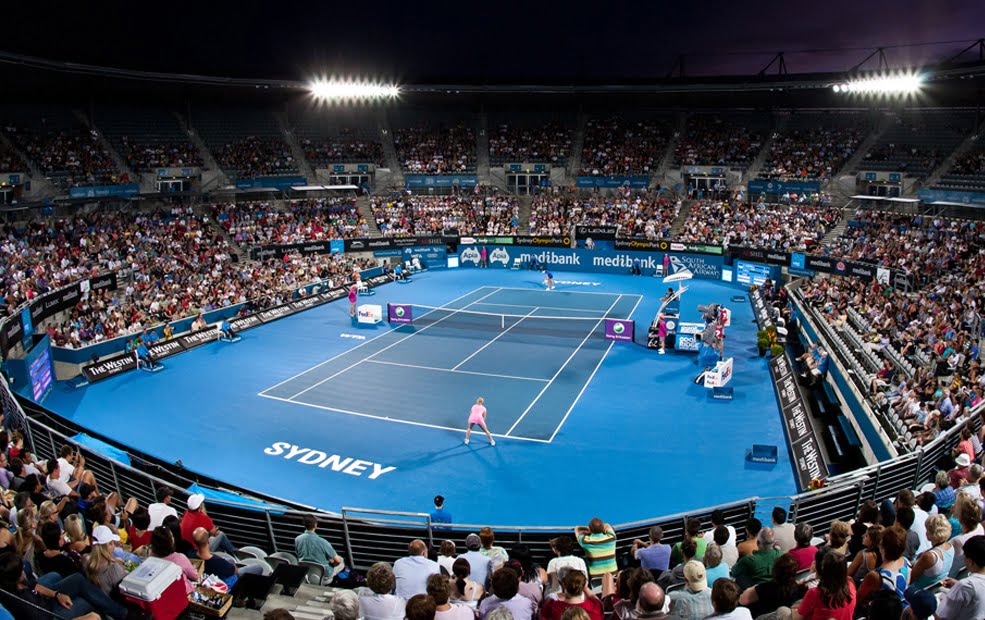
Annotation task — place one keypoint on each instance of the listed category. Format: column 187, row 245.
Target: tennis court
column 531, row 352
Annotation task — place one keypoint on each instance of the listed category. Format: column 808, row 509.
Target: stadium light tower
column 333, row 90
column 896, row 84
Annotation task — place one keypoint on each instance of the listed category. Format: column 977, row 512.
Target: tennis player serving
column 478, row 416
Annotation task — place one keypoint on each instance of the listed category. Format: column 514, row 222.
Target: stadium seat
column 263, row 564
column 316, row 573
column 251, row 552
column 281, row 557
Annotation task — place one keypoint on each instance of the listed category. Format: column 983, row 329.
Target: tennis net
column 576, row 324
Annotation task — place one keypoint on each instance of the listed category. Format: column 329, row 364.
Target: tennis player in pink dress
column 478, row 416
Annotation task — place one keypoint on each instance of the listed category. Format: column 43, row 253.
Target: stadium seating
column 264, row 223
column 918, row 141
column 147, row 138
column 621, row 146
column 721, row 140
column 548, row 142
column 814, row 145
column 643, row 215
column 410, row 216
column 436, row 149
column 246, row 143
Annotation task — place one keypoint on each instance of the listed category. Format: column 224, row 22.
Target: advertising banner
column 808, row 463
column 620, row 330
column 972, row 199
column 124, row 190
column 279, row 183
column 758, row 255
column 666, row 245
column 608, row 233
column 413, row 181
column 399, row 314
column 110, row 367
column 636, row 182
column 687, row 342
column 599, row 261
column 544, row 241
column 768, row 186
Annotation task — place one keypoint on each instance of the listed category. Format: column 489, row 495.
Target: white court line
column 570, row 357
column 362, row 344
column 458, row 372
column 391, row 345
column 590, row 377
column 488, row 303
column 517, row 288
column 376, row 417
column 501, row 334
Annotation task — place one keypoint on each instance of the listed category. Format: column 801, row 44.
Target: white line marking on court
column 393, row 344
column 590, row 377
column 516, row 288
column 386, row 333
column 501, row 334
column 487, row 303
column 570, row 357
column 376, row 417
column 458, row 372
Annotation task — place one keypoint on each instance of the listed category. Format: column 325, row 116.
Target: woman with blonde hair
column 48, row 512
column 25, row 537
column 968, row 512
column 934, row 564
column 102, row 569
column 477, row 415
column 78, row 540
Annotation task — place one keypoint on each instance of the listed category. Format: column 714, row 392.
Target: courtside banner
column 808, row 463
column 167, row 348
column 550, row 242
column 399, row 314
column 596, row 232
column 245, row 322
column 666, row 245
column 110, row 367
column 209, row 334
column 620, row 330
column 591, row 261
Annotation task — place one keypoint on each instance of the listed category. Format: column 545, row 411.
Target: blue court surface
column 318, row 410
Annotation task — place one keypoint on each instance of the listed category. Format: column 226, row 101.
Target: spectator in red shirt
column 196, row 517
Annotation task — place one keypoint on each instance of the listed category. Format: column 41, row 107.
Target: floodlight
column 893, row 84
column 348, row 89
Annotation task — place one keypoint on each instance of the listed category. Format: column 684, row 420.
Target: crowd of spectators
column 971, row 163
column 76, row 157
column 549, row 143
column 712, row 141
column 787, row 227
column 144, row 156
column 343, row 148
column 266, row 223
column 416, row 216
column 436, row 150
column 617, row 146
column 9, row 161
column 641, row 215
column 253, row 157
column 172, row 265
column 816, row 153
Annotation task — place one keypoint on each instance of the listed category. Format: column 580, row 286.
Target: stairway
column 365, row 210
column 120, row 163
column 856, row 159
column 847, row 212
column 577, row 145
column 682, row 216
column 667, row 160
column 756, row 166
column 526, row 203
column 304, row 166
column 395, row 178
column 482, row 151
column 235, row 249
column 203, row 150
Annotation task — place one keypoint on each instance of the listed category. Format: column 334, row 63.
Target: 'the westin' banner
column 399, row 314
column 808, row 461
column 620, row 330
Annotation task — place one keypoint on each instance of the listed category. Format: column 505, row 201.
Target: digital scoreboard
column 752, row 273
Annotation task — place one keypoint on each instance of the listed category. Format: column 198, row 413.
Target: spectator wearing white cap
column 196, row 517
column 101, row 566
column 694, row 601
column 960, row 473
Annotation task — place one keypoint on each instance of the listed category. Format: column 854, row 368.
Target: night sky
column 415, row 42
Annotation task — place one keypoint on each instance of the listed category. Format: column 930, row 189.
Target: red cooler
column 157, row 587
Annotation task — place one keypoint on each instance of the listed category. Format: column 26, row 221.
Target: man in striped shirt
column 599, row 542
